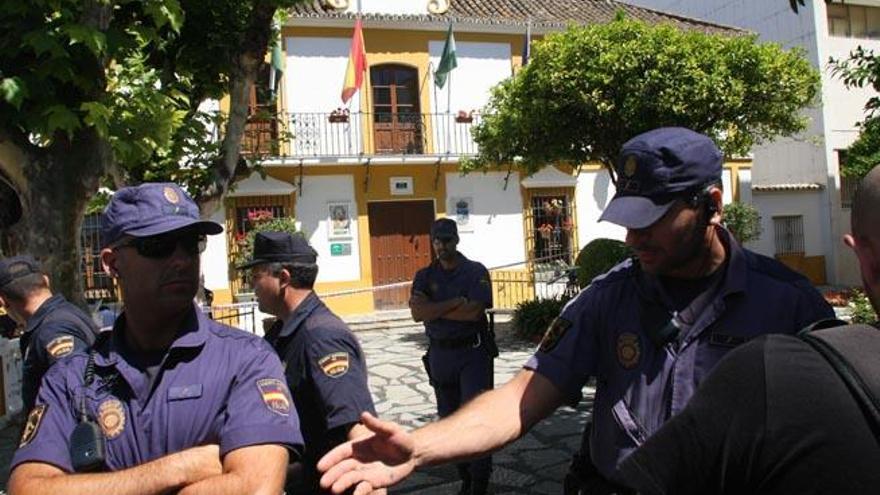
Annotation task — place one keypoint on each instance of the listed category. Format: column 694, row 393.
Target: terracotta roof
column 542, row 13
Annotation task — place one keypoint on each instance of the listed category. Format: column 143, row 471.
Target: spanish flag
column 357, row 64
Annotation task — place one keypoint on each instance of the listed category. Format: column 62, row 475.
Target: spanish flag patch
column 275, row 395
column 60, row 346
column 335, row 364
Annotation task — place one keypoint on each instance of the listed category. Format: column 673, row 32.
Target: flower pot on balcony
column 464, row 119
column 339, row 116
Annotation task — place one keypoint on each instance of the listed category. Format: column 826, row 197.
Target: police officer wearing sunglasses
column 169, row 401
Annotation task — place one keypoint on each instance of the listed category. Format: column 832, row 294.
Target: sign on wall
column 401, row 186
column 460, row 209
column 339, row 220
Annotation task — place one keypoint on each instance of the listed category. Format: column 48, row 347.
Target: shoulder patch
column 32, row 426
column 629, row 350
column 335, row 364
column 111, row 418
column 554, row 332
column 60, row 346
column 275, row 395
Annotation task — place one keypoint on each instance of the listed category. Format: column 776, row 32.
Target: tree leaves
column 14, row 91
column 589, row 89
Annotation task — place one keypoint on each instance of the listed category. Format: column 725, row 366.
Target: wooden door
column 400, row 245
column 397, row 120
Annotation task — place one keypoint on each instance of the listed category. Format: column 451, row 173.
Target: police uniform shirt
column 216, row 385
column 56, row 329
column 326, row 371
column 607, row 330
column 469, row 279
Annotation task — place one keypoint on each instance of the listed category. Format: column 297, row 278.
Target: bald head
column 866, row 206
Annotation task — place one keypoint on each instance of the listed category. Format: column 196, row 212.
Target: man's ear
column 284, row 277
column 715, row 206
column 869, row 264
column 108, row 262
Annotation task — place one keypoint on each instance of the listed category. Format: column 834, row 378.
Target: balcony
column 360, row 134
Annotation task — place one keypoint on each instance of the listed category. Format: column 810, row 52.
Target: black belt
column 469, row 341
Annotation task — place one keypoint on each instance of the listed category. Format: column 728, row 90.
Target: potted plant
column 340, row 115
column 463, row 117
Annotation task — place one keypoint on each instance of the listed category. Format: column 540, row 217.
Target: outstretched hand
column 374, row 461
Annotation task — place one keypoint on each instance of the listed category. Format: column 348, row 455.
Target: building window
column 97, row 284
column 788, row 233
column 552, row 228
column 246, row 216
column 853, row 21
column 243, row 213
column 847, row 184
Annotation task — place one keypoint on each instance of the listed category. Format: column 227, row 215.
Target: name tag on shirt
column 725, row 340
column 186, row 392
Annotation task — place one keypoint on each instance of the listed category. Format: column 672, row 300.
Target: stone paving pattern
column 535, row 463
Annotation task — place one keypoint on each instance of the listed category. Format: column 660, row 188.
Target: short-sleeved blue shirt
column 606, row 332
column 216, row 385
column 56, row 329
column 326, row 371
column 469, row 279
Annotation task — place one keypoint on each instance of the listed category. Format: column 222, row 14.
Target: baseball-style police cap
column 15, row 267
column 151, row 209
column 656, row 168
column 444, row 228
column 276, row 247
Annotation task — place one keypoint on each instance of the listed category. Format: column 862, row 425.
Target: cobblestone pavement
column 534, row 464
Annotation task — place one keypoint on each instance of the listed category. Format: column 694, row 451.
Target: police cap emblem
column 111, row 418
column 630, row 166
column 628, row 350
column 275, row 395
column 171, row 195
column 35, row 417
column 554, row 333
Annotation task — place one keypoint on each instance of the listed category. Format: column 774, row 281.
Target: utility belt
column 458, row 343
column 583, row 478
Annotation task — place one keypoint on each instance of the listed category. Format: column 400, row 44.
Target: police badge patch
column 554, row 332
column 35, row 417
column 334, row 365
column 171, row 195
column 111, row 418
column 275, row 395
column 60, row 346
column 628, row 350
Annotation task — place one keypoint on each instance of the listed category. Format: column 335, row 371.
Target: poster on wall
column 339, row 220
column 461, row 209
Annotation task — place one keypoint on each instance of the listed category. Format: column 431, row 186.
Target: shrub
column 743, row 221
column 531, row 318
column 599, row 256
column 261, row 221
column 861, row 309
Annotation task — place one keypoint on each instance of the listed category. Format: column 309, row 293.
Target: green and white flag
column 447, row 60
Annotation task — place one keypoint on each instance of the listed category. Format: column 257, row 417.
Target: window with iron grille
column 246, row 215
column 788, row 233
column 853, row 21
column 245, row 212
column 552, row 228
column 847, row 184
column 96, row 284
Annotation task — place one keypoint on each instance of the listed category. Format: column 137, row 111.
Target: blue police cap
column 151, row 209
column 16, row 267
column 444, row 227
column 657, row 167
column 276, row 247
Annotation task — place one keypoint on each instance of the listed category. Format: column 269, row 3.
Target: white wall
column 215, row 259
column 497, row 236
column 806, row 203
column 313, row 211
column 480, row 66
column 593, row 193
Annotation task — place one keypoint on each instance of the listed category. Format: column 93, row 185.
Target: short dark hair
column 302, row 275
column 22, row 287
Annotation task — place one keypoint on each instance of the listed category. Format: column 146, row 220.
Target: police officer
column 324, row 364
column 53, row 327
column 649, row 330
column 451, row 296
column 168, row 401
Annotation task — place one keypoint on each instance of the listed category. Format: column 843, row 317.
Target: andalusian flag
column 357, row 64
column 277, row 68
column 447, row 60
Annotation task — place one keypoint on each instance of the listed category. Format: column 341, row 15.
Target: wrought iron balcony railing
column 340, row 134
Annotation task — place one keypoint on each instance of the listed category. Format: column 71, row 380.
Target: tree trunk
column 60, row 181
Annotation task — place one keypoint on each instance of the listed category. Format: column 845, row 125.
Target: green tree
column 862, row 69
column 91, row 89
column 589, row 89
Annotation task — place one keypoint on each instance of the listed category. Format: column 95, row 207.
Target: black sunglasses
column 163, row 246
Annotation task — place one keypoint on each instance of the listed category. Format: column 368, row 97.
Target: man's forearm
column 470, row 311
column 159, row 476
column 429, row 311
column 485, row 424
column 257, row 469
